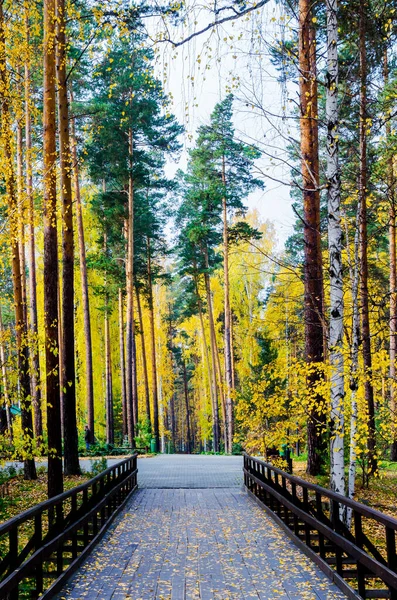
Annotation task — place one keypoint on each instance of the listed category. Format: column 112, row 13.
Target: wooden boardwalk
column 178, row 543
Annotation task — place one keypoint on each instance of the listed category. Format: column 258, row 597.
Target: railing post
column 38, row 528
column 320, row 517
column 306, row 506
column 358, row 532
column 13, row 547
column 391, row 556
column 335, row 524
column 294, row 500
column 75, row 532
column 85, row 527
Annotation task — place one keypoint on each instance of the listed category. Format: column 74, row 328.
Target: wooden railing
column 40, row 548
column 361, row 557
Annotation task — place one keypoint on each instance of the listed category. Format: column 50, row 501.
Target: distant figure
column 87, row 437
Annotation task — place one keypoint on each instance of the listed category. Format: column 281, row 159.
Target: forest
column 147, row 305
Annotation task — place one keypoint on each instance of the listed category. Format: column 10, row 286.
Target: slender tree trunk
column 392, row 278
column 363, row 182
column 221, row 393
column 109, row 382
column 34, row 350
column 314, row 343
column 131, row 383
column 21, row 209
column 232, row 350
column 173, row 422
column 60, row 355
column 68, row 370
column 144, row 359
column 335, row 256
column 353, row 384
column 84, row 285
column 122, row 364
column 215, row 413
column 20, row 320
column 153, row 349
column 228, row 345
column 5, row 379
column 55, row 480
column 205, row 347
column 188, row 417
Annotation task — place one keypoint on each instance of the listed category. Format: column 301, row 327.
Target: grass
column 381, row 493
column 25, row 494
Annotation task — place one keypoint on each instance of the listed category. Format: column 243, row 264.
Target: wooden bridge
column 198, row 527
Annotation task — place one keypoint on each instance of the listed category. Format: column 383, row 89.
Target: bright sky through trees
column 193, row 101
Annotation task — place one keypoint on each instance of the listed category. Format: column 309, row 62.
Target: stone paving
column 196, row 471
column 186, row 542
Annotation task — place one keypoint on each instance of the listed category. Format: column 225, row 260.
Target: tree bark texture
column 144, row 358
column 34, row 350
column 20, row 313
column 156, row 428
column 109, row 381
column 313, row 280
column 21, row 209
column 392, row 278
column 215, row 410
column 205, row 346
column 228, row 424
column 5, row 379
column 363, row 182
column 68, row 371
column 55, row 480
column 84, row 285
column 335, row 245
column 122, row 365
column 131, row 383
column 187, row 404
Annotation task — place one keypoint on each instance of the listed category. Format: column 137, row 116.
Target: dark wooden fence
column 40, row 548
column 363, row 554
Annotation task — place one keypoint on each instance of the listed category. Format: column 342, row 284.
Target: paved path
column 207, row 543
column 196, row 471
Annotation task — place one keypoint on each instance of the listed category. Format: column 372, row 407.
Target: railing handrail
column 366, row 511
column 29, row 513
column 389, row 576
column 6, row 584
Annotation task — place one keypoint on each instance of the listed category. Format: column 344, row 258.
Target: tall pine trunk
column 187, row 405
column 144, row 357
column 68, row 371
column 131, row 383
column 122, row 365
column 313, row 279
column 156, row 429
column 55, row 479
column 354, row 364
column 5, row 379
column 205, row 347
column 335, row 256
column 109, row 380
column 392, row 277
column 20, row 313
column 21, row 209
column 215, row 410
column 228, row 423
column 84, row 285
column 34, row 349
column 363, row 182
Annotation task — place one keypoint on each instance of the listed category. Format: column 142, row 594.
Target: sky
column 200, row 73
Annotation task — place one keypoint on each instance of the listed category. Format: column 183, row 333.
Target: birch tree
column 335, row 255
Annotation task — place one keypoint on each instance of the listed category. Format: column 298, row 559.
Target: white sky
column 247, row 59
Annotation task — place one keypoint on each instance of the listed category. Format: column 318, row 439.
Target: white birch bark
column 335, row 256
